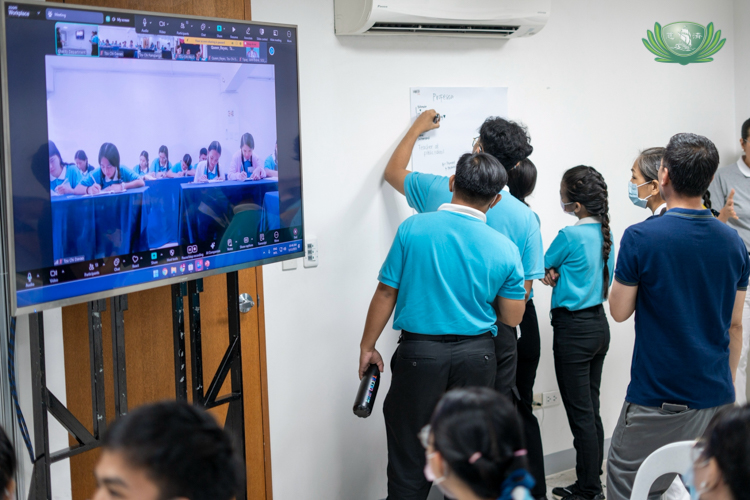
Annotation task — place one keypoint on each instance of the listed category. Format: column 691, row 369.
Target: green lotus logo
column 684, row 43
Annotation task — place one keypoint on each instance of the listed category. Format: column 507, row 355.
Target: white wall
column 589, row 92
column 742, row 65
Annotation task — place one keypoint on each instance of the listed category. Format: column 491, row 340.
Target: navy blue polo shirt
column 688, row 267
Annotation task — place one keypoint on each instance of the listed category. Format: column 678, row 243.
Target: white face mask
column 437, row 481
column 563, row 205
column 689, row 480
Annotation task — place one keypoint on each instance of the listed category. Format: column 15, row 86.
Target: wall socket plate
column 311, row 252
column 289, row 265
column 546, row 399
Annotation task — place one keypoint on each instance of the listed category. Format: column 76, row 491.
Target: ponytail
column 586, row 186
column 707, row 200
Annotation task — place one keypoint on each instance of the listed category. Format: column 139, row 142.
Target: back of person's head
column 507, row 141
column 522, row 179
column 180, row 447
column 649, row 161
column 478, row 434
column 692, row 161
column 7, row 463
column 745, row 130
column 585, row 185
column 727, row 440
column 479, row 178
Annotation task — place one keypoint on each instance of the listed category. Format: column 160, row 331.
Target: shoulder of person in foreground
column 420, row 190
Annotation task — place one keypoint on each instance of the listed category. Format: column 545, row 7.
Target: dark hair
column 478, row 419
column 81, row 155
column 214, row 146
column 649, row 161
column 110, row 152
column 522, row 179
column 479, row 177
column 247, row 140
column 203, row 151
column 7, row 461
column 586, row 186
column 187, row 159
column 507, row 141
column 53, row 151
column 144, row 154
column 728, row 442
column 745, row 130
column 692, row 161
column 181, row 448
column 165, row 150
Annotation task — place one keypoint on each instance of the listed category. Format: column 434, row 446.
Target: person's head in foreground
column 7, row 467
column 689, row 164
column 474, row 447
column 478, row 179
column 721, row 459
column 507, row 141
column 169, row 450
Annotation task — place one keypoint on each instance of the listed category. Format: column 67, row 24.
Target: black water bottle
column 368, row 389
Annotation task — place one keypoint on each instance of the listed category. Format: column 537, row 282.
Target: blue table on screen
column 164, row 210
column 207, row 209
column 270, row 219
column 99, row 226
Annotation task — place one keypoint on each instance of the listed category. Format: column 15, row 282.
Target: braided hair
column 586, row 186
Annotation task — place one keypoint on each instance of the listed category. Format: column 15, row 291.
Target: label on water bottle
column 369, row 389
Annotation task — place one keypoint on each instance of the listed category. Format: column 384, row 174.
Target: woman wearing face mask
column 7, row 468
column 474, row 447
column 721, row 460
column 643, row 188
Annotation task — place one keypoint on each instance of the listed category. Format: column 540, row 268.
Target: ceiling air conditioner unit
column 464, row 18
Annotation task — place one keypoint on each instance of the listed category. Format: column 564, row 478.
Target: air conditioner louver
column 477, row 29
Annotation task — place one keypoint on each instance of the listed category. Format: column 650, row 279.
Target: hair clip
column 520, row 453
column 476, row 456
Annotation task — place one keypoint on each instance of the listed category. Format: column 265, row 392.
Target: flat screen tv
column 151, row 150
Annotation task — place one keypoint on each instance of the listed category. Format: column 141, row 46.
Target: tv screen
column 150, row 150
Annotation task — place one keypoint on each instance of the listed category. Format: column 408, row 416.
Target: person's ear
column 577, row 208
column 497, row 199
column 654, row 186
column 451, row 182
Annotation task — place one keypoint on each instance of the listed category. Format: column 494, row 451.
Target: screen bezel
column 6, row 220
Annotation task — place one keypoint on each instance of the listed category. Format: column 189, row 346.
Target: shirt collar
column 588, row 220
column 463, row 209
column 506, row 188
column 744, row 169
column 661, row 207
column 62, row 174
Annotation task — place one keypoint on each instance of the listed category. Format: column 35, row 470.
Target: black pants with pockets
column 422, row 371
column 581, row 340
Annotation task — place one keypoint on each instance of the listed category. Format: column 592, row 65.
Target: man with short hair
column 167, row 450
column 684, row 275
column 450, row 277
column 733, row 182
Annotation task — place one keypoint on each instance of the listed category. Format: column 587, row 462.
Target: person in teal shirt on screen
column 182, row 169
column 160, row 166
column 580, row 264
column 111, row 176
column 509, row 143
column 63, row 178
column 142, row 170
column 209, row 169
column 272, row 161
column 449, row 277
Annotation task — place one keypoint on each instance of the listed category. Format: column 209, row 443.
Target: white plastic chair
column 671, row 458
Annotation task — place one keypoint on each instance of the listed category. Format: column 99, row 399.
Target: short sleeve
column 74, row 176
column 417, row 187
column 533, row 252
column 89, row 180
column 177, row 168
column 557, row 252
column 627, row 271
column 270, row 164
column 127, row 174
column 513, row 288
column 393, row 267
column 742, row 284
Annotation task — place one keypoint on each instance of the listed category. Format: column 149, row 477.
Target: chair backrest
column 674, row 457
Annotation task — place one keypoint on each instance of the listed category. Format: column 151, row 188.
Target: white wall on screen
column 140, row 105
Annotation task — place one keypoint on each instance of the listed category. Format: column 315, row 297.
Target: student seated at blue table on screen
column 111, row 176
column 142, row 170
column 209, row 170
column 160, row 166
column 245, row 164
column 203, row 154
column 82, row 162
column 182, row 169
column 272, row 163
column 64, row 178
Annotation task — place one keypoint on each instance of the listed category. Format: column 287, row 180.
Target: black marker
column 437, row 118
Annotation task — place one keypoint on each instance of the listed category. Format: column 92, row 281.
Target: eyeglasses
column 424, row 436
column 475, row 142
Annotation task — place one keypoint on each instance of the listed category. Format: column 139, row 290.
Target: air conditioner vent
column 475, row 29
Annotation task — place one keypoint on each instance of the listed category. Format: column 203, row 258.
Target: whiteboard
column 462, row 111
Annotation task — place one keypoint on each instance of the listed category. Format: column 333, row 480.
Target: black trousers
column 506, row 355
column 529, row 351
column 581, row 340
column 422, row 371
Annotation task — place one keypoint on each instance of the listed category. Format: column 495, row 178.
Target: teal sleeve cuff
column 390, row 283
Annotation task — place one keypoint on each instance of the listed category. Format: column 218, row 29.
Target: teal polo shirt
column 98, row 177
column 511, row 217
column 576, row 253
column 448, row 268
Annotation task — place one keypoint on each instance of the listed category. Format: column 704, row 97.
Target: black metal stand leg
column 119, row 305
column 96, row 353
column 40, row 478
column 235, row 423
column 179, row 290
column 196, row 351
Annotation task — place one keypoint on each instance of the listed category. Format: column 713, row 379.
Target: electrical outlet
column 289, row 265
column 551, row 398
column 311, row 252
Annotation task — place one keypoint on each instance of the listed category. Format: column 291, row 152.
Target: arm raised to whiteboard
column 395, row 171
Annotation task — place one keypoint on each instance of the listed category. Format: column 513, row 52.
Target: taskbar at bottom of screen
column 87, row 286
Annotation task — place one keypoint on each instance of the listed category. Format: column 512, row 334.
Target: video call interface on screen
column 146, row 147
